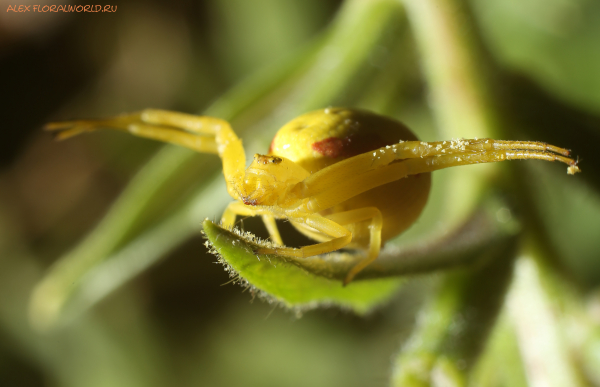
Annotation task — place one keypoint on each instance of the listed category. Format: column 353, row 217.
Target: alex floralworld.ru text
column 61, row 8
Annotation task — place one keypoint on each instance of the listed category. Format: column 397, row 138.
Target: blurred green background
column 170, row 323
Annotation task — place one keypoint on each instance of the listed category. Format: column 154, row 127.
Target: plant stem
column 454, row 66
column 453, row 327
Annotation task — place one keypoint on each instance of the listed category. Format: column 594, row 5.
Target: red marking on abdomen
column 334, row 147
column 330, row 147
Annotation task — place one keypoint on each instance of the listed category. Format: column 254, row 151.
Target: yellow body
column 344, row 177
column 321, row 138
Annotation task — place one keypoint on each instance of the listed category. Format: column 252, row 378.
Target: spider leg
column 232, row 211
column 351, row 167
column 238, row 208
column 200, row 133
column 269, row 221
column 350, row 177
column 359, row 215
column 413, row 149
column 136, row 124
column 341, row 237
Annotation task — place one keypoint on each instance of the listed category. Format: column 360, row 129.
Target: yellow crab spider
column 343, row 177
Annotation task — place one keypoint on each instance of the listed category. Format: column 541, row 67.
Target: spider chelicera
column 343, row 177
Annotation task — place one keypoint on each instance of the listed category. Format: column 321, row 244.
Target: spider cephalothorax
column 268, row 180
column 344, row 177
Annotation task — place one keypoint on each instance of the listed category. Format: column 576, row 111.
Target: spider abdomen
column 321, row 138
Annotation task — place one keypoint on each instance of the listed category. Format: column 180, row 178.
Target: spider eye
column 267, row 159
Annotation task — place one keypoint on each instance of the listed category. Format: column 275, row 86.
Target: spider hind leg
column 374, row 246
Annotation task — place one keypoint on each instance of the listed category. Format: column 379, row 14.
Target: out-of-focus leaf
column 570, row 213
column 281, row 280
column 245, row 45
column 86, row 354
column 500, row 365
column 553, row 41
column 455, row 323
column 315, row 351
column 536, row 319
column 571, row 321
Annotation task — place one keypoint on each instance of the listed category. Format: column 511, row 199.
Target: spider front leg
column 350, row 177
column 200, row 133
column 238, row 208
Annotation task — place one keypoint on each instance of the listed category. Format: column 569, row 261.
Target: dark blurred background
column 178, row 326
column 174, row 324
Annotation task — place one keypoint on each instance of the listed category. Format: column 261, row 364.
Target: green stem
column 542, row 343
column 454, row 65
column 501, row 363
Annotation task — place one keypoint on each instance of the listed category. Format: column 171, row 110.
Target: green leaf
column 555, row 42
column 306, row 282
column 536, row 318
column 569, row 213
column 281, row 280
column 500, row 364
